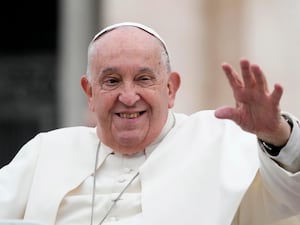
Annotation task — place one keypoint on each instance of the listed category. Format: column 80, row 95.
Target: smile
column 130, row 115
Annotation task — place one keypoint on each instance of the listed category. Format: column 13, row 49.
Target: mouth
column 130, row 115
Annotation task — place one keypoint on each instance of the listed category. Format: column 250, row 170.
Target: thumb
column 225, row 112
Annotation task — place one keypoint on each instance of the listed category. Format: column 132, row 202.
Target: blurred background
column 43, row 47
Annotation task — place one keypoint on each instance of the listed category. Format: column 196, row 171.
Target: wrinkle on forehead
column 127, row 37
column 129, row 40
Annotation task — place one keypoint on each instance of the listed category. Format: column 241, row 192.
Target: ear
column 87, row 88
column 173, row 85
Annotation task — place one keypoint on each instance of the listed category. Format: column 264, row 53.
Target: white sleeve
column 289, row 156
column 281, row 174
column 15, row 181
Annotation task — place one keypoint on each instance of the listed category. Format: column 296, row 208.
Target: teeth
column 129, row 115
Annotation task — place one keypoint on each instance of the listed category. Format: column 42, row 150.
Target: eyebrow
column 146, row 70
column 109, row 70
column 115, row 70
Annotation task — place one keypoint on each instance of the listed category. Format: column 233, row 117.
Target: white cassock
column 200, row 170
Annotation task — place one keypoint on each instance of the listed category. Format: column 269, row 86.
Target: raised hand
column 257, row 109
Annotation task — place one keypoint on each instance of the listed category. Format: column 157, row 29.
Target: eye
column 145, row 80
column 110, row 83
column 144, row 77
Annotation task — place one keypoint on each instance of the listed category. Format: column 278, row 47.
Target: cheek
column 168, row 99
column 103, row 102
column 160, row 102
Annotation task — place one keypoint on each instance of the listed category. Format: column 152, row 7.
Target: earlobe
column 173, row 85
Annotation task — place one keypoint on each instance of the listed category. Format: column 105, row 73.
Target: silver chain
column 114, row 201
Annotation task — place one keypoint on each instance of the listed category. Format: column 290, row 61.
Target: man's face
column 131, row 89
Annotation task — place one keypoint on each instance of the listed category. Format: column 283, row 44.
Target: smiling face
column 130, row 90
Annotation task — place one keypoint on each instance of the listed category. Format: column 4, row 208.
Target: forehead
column 126, row 46
column 125, row 39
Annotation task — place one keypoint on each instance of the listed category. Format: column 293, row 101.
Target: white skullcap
column 131, row 24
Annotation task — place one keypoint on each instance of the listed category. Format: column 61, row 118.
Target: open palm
column 257, row 109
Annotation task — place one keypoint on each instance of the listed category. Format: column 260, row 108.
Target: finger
column 260, row 78
column 277, row 93
column 226, row 112
column 230, row 113
column 232, row 76
column 248, row 78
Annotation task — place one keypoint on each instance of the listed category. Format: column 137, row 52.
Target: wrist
column 279, row 134
column 272, row 149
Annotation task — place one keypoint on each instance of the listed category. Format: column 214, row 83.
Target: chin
column 130, row 146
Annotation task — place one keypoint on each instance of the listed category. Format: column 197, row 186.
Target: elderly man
column 144, row 164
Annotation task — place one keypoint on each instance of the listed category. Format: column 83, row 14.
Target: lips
column 130, row 115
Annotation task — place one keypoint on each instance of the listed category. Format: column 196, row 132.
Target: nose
column 129, row 95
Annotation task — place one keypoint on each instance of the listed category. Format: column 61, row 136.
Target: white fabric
column 17, row 222
column 116, row 171
column 111, row 177
column 204, row 171
column 289, row 156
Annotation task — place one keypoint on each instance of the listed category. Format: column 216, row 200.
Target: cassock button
column 127, row 170
column 121, row 180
